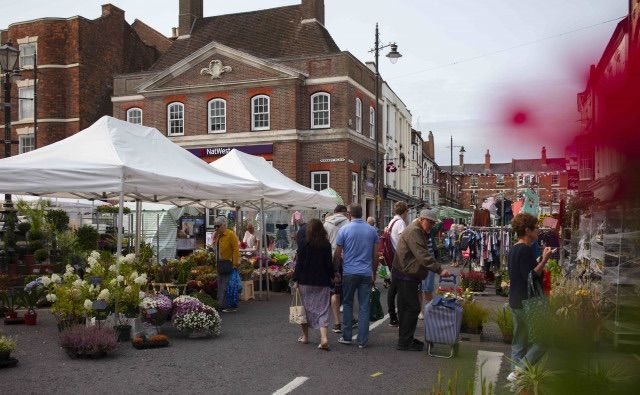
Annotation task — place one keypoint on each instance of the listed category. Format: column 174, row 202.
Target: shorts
column 428, row 284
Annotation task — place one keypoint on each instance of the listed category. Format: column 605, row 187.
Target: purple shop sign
column 221, row 151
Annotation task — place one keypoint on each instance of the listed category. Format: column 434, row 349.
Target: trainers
column 412, row 347
column 354, row 323
column 421, row 316
column 341, row 308
column 394, row 322
column 513, row 376
column 337, row 328
column 343, row 341
column 418, row 342
column 361, row 346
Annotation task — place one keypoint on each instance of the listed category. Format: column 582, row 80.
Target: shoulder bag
column 537, row 310
column 297, row 314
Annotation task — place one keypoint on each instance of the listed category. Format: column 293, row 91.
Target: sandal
column 324, row 347
column 301, row 340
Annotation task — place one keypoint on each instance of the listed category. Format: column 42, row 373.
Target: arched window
column 134, row 115
column 175, row 119
column 358, row 115
column 320, row 110
column 260, row 113
column 217, row 116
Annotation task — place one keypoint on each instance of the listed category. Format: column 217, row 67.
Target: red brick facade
column 77, row 59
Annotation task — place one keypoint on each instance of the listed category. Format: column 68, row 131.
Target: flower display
column 158, row 302
column 191, row 315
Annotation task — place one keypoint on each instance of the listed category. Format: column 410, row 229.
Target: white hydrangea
column 45, row 281
column 130, row 258
column 52, row 298
column 127, row 289
column 88, row 304
column 88, row 270
column 134, row 275
column 69, row 269
column 78, row 283
column 141, row 295
column 104, row 294
column 56, row 278
column 113, row 268
column 113, row 282
column 141, row 280
column 95, row 255
column 120, row 278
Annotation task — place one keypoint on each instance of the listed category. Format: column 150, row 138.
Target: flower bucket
column 11, row 315
column 123, row 332
column 30, row 318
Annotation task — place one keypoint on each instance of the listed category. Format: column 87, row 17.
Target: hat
column 340, row 209
column 431, row 215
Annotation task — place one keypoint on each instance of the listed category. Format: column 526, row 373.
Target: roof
column 535, row 165
column 150, row 36
column 496, row 168
column 271, row 33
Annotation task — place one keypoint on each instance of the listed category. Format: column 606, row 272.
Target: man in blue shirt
column 355, row 246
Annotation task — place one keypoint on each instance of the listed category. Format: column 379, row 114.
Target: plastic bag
column 383, row 272
column 234, row 288
column 375, row 307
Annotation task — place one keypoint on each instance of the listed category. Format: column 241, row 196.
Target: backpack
column 387, row 252
column 467, row 239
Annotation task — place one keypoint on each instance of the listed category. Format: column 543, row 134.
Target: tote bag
column 537, row 310
column 297, row 315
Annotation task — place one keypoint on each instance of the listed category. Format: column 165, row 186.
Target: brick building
column 76, row 61
column 449, row 188
column 282, row 89
column 547, row 176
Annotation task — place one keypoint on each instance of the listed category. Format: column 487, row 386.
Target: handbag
column 375, row 308
column 234, row 288
column 223, row 266
column 537, row 311
column 297, row 314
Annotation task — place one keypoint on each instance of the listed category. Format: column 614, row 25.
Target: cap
column 429, row 214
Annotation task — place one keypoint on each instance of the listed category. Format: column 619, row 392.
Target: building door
column 369, row 209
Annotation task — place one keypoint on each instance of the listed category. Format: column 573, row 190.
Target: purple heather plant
column 90, row 340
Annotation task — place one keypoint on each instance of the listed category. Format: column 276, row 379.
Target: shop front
column 210, row 154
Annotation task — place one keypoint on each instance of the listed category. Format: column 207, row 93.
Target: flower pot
column 473, row 331
column 247, row 291
column 123, row 332
column 11, row 315
column 4, row 355
column 30, row 318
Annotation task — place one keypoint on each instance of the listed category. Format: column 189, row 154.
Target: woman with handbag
column 524, row 267
column 227, row 258
column 313, row 277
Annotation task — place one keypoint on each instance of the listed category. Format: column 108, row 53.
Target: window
column 415, row 184
column 372, row 122
column 555, row 196
column 555, row 178
column 414, row 152
column 26, row 54
column 26, row 143
column 358, row 115
column 354, row 187
column 474, row 198
column 474, row 181
column 319, row 180
column 500, row 180
column 526, row 179
column 175, row 119
column 134, row 115
column 217, row 116
column 320, row 110
column 260, row 113
column 25, row 107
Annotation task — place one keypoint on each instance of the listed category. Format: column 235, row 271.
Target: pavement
column 257, row 353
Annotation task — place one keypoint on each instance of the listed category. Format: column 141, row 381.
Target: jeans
column 520, row 347
column 391, row 300
column 350, row 284
column 223, row 281
column 408, row 310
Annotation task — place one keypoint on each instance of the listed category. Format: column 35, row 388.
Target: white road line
column 372, row 326
column 295, row 383
column 489, row 363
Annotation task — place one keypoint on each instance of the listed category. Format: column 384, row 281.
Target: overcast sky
column 473, row 100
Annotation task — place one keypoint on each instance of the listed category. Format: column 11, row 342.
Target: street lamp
column 393, row 56
column 462, row 151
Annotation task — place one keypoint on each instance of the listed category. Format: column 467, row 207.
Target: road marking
column 372, row 326
column 295, row 383
column 487, row 362
column 376, row 374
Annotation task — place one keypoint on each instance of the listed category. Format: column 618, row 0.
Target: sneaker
column 337, row 328
column 341, row 308
column 421, row 316
column 361, row 346
column 343, row 341
column 354, row 323
column 394, row 322
column 418, row 342
column 412, row 347
column 513, row 376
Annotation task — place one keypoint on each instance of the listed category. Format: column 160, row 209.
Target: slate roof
column 271, row 33
column 516, row 166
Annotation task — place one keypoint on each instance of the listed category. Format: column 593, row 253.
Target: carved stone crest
column 215, row 69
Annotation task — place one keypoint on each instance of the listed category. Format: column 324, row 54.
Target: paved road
column 257, row 353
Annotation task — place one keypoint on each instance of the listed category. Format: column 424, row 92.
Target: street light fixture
column 393, row 56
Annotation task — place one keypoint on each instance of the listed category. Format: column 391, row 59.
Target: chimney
column 544, row 156
column 432, row 146
column 461, row 161
column 312, row 10
column 487, row 161
column 110, row 9
column 189, row 12
column 371, row 66
column 174, row 32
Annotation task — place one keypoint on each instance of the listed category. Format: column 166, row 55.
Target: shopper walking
column 356, row 246
column 227, row 250
column 332, row 225
column 395, row 228
column 412, row 262
column 313, row 276
column 521, row 262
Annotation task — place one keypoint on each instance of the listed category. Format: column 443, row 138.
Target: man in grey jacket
column 411, row 264
column 332, row 225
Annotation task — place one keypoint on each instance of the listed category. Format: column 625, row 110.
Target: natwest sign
column 221, row 151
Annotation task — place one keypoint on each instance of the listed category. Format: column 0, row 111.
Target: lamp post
column 8, row 60
column 462, row 151
column 393, row 56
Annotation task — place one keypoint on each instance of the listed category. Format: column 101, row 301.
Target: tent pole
column 120, row 221
column 264, row 242
column 138, row 222
column 157, row 238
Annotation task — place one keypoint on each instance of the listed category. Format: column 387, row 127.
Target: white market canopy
column 277, row 189
column 113, row 157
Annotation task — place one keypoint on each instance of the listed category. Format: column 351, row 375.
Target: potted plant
column 473, row 316
column 7, row 346
column 246, row 275
column 142, row 342
column 88, row 341
column 473, row 280
column 194, row 318
column 68, row 295
column 156, row 309
column 30, row 296
column 11, row 302
column 531, row 378
column 503, row 317
column 87, row 238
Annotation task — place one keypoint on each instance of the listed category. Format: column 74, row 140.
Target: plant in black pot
column 473, row 316
column 7, row 346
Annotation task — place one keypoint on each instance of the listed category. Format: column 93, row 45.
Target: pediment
column 216, row 64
